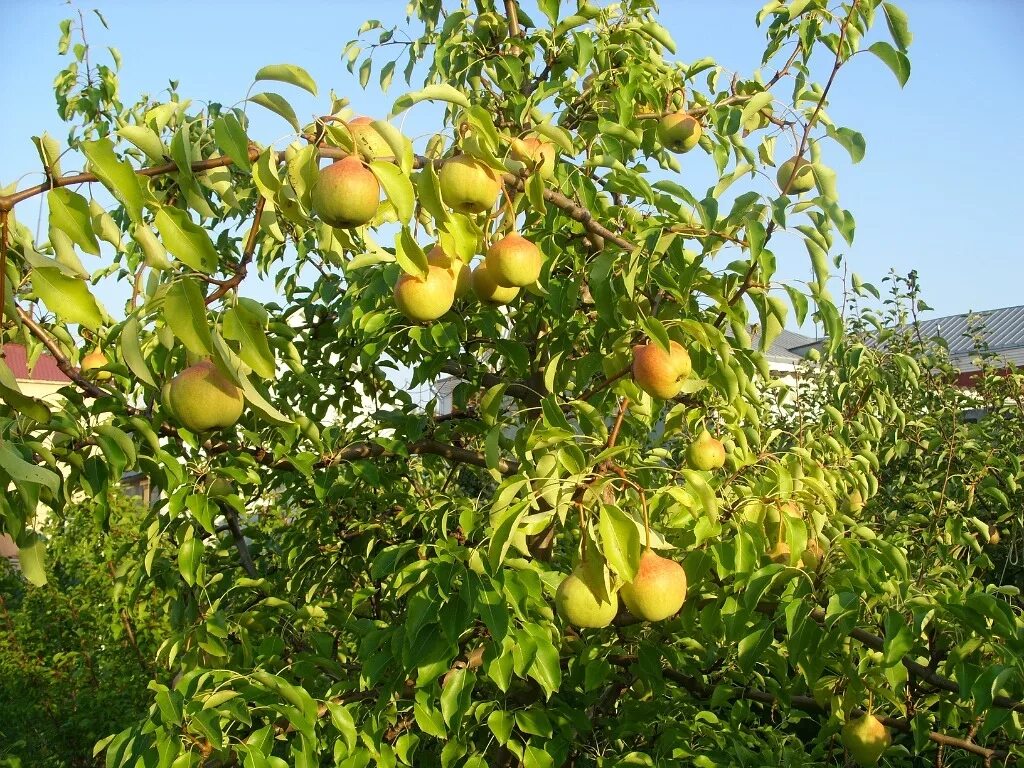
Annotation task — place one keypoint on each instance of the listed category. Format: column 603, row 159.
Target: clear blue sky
column 938, row 192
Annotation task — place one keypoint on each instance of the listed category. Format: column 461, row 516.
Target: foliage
column 376, row 585
column 75, row 655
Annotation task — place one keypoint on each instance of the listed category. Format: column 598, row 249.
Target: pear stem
column 583, row 533
column 4, row 215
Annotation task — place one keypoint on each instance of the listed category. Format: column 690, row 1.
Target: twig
column 247, row 254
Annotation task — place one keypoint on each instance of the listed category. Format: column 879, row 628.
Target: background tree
column 350, row 577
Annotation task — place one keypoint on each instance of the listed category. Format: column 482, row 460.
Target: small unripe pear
column 578, row 604
column 706, row 453
column 366, row 136
column 659, row 589
column 93, row 362
column 813, row 554
column 777, row 518
column 346, row 193
column 993, row 535
column 780, row 553
column 424, row 299
column 459, row 270
column 865, row 738
column 467, row 185
column 220, row 487
column 535, row 153
column 514, row 261
column 488, row 290
column 679, row 132
column 203, row 398
column 801, row 171
column 660, row 373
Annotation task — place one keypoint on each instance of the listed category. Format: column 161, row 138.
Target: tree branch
column 247, row 254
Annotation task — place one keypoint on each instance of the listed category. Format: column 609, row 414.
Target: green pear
column 514, row 261
column 369, row 141
column 659, row 589
column 803, row 176
column 487, row 290
column 865, row 738
column 777, row 518
column 220, row 487
column 459, row 270
column 424, row 299
column 660, row 373
column 679, row 132
column 468, row 186
column 346, row 193
column 705, row 453
column 202, row 398
column 578, row 604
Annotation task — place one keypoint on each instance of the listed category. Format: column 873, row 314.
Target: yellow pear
column 780, row 553
column 706, row 453
column 536, row 153
column 93, row 363
column 578, row 604
column 659, row 589
column 487, row 290
column 346, row 193
column 514, row 261
column 865, row 738
column 428, row 298
column 660, row 373
column 467, row 185
column 203, row 398
column 679, row 132
column 459, row 270
column 803, row 178
column 777, row 518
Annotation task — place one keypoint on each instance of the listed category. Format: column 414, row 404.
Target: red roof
column 45, row 368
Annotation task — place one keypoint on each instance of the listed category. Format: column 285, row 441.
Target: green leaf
column 754, row 105
column 620, row 541
column 231, row 139
column 187, row 241
column 11, row 394
column 69, row 212
column 850, row 140
column 253, row 397
column 899, row 25
column 67, row 297
column 457, row 695
column 21, row 471
column 190, row 555
column 895, row 60
column 32, row 558
column 400, row 145
column 438, row 92
column 185, row 313
column 288, row 73
column 246, row 323
column 559, row 136
column 279, row 105
column 409, row 255
column 49, row 153
column 397, row 186
column 146, row 139
column 131, row 351
column 117, row 175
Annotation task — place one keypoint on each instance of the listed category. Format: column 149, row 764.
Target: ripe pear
column 536, row 153
column 424, row 299
column 488, row 290
column 459, row 270
column 467, row 185
column 705, row 453
column 578, row 604
column 813, row 554
column 203, row 398
column 865, row 738
column 346, row 193
column 514, row 261
column 804, row 180
column 659, row 589
column 660, row 373
column 776, row 518
column 366, row 136
column 165, row 399
column 92, row 364
column 679, row 132
column 854, row 503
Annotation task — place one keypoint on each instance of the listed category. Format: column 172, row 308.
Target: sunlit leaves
column 68, row 297
column 188, row 242
column 895, row 60
column 288, row 73
column 69, row 212
column 278, row 105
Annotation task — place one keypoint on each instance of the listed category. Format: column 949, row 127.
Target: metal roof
column 781, row 348
column 45, row 368
column 1002, row 329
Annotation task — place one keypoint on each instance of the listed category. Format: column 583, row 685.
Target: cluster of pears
column 865, row 738
column 776, row 521
column 202, row 398
column 657, row 592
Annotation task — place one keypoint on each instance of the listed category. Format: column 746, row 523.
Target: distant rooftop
column 45, row 369
column 1002, row 329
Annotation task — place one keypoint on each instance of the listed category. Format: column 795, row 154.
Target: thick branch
column 239, row 540
column 58, row 356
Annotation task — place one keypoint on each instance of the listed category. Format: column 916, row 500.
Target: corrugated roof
column 1002, row 329
column 45, row 368
column 781, row 348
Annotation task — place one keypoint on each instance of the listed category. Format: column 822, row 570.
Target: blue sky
column 938, row 191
